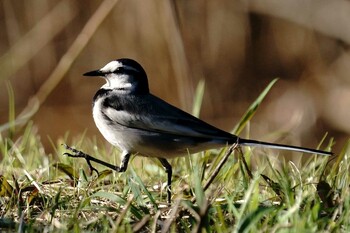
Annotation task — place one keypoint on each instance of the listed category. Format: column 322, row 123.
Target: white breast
column 111, row 133
column 126, row 139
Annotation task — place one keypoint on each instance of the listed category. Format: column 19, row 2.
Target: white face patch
column 117, row 81
column 114, row 65
column 111, row 67
column 118, row 76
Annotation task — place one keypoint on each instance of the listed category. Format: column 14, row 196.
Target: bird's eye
column 119, row 70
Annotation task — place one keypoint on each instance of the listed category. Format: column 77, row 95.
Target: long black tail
column 248, row 142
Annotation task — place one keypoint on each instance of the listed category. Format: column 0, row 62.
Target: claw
column 92, row 169
column 89, row 158
column 80, row 154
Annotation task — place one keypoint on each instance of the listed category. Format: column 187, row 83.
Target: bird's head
column 124, row 75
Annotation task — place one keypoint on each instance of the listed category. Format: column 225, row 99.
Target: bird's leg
column 169, row 171
column 79, row 154
column 125, row 162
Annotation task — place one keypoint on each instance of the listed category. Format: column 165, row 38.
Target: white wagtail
column 137, row 122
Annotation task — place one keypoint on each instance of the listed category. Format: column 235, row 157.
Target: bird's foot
column 79, row 154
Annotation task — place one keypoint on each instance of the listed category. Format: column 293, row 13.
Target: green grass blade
column 251, row 219
column 143, row 187
column 119, row 200
column 198, row 188
column 12, row 112
column 252, row 109
column 68, row 170
column 340, row 158
column 198, row 98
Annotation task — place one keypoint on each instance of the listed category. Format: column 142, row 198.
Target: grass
column 42, row 192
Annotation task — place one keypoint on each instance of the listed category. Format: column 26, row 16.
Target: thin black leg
column 169, row 171
column 79, row 154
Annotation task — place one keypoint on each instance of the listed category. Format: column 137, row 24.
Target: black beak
column 94, row 73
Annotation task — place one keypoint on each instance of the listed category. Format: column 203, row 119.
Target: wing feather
column 149, row 113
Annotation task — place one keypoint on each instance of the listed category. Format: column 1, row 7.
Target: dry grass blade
column 315, row 15
column 65, row 63
column 177, row 53
column 171, row 217
column 245, row 164
column 39, row 36
column 138, row 226
column 217, row 169
column 123, row 213
column 6, row 189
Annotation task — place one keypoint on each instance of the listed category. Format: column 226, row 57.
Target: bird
column 139, row 123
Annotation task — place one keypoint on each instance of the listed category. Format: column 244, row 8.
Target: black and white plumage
column 137, row 122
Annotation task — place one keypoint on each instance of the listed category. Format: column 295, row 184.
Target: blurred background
column 236, row 47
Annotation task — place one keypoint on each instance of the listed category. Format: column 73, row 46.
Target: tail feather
column 248, row 142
